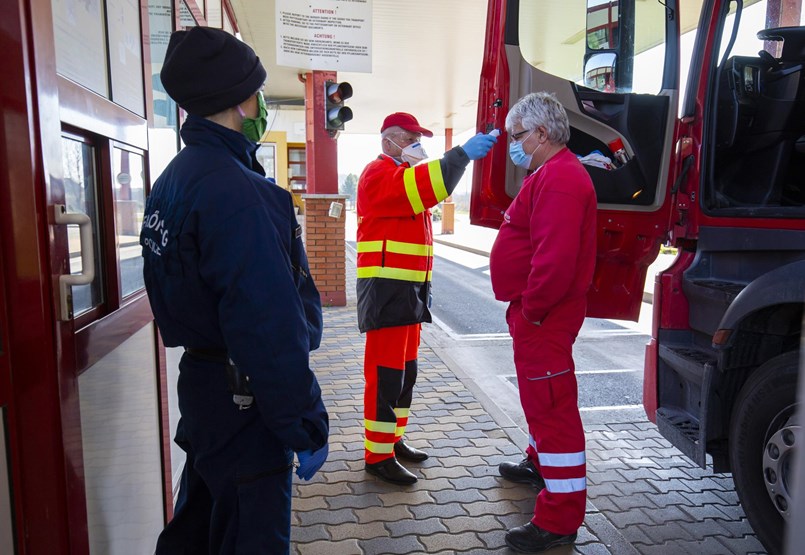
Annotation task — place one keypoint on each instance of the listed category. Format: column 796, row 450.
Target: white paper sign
column 331, row 35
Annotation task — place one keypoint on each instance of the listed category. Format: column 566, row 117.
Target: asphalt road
column 470, row 332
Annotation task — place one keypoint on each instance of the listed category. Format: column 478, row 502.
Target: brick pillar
column 324, row 235
column 324, row 243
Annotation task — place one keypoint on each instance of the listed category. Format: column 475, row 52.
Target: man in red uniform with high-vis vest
column 395, row 260
column 542, row 264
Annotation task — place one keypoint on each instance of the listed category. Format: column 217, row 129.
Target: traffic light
column 335, row 113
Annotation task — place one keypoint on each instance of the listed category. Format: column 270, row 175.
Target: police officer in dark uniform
column 228, row 280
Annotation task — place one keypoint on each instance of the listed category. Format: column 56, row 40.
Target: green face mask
column 254, row 128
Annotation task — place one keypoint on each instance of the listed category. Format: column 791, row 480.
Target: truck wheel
column 763, row 437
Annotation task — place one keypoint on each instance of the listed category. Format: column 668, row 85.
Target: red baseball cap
column 406, row 121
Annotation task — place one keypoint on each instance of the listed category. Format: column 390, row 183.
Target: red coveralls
column 395, row 260
column 542, row 263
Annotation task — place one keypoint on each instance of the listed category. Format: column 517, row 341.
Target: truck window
column 753, row 19
column 757, row 139
column 560, row 45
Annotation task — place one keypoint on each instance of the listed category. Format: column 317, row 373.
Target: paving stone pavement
column 644, row 496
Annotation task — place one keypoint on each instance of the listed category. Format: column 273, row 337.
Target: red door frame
column 39, row 470
column 46, row 355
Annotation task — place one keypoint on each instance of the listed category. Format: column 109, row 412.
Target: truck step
column 683, row 431
column 690, row 362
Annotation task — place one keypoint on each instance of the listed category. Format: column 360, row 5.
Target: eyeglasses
column 515, row 137
column 407, row 138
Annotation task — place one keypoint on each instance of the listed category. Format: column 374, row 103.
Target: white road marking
column 508, row 379
column 468, row 336
column 615, row 371
column 611, row 407
column 604, row 334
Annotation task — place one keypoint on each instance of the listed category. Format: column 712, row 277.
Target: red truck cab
column 708, row 99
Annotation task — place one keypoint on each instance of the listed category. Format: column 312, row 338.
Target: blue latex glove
column 310, row 461
column 479, row 145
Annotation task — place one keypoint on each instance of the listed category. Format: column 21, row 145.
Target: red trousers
column 390, row 369
column 549, row 395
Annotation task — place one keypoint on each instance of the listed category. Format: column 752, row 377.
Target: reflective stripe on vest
column 393, row 273
column 409, row 248
column 436, row 180
column 396, row 247
column 370, row 246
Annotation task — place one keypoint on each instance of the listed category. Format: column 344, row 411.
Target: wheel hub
column 778, row 466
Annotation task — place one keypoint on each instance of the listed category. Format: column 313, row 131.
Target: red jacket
column 544, row 254
column 395, row 237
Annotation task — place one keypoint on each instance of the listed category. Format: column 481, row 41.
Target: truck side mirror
column 599, row 72
column 609, row 45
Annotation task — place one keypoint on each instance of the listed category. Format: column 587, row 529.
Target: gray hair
column 541, row 109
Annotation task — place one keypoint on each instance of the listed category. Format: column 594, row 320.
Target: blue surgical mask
column 518, row 155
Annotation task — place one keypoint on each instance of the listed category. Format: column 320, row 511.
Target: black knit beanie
column 208, row 70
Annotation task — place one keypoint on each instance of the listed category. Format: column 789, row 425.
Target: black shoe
column 523, row 472
column 533, row 539
column 391, row 471
column 408, row 453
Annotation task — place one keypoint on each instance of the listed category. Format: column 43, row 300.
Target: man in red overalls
column 542, row 264
column 395, row 259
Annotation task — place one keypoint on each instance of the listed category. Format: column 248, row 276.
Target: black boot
column 391, row 471
column 408, row 453
column 523, row 472
column 533, row 539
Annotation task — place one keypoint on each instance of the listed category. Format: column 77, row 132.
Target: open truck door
column 614, row 66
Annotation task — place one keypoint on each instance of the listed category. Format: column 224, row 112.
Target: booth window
column 98, row 46
column 80, row 179
column 267, row 156
column 297, row 169
column 129, row 194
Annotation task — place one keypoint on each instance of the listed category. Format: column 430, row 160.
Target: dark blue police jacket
column 225, row 269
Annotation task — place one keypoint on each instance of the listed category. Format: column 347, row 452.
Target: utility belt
column 237, row 381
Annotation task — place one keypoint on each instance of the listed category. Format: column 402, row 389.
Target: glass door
column 108, row 324
column 110, row 361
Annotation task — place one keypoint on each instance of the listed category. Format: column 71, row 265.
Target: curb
column 459, row 246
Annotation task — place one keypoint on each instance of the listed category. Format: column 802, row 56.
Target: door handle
column 62, row 217
column 686, row 164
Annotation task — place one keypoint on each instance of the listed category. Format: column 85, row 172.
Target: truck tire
column 762, row 442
